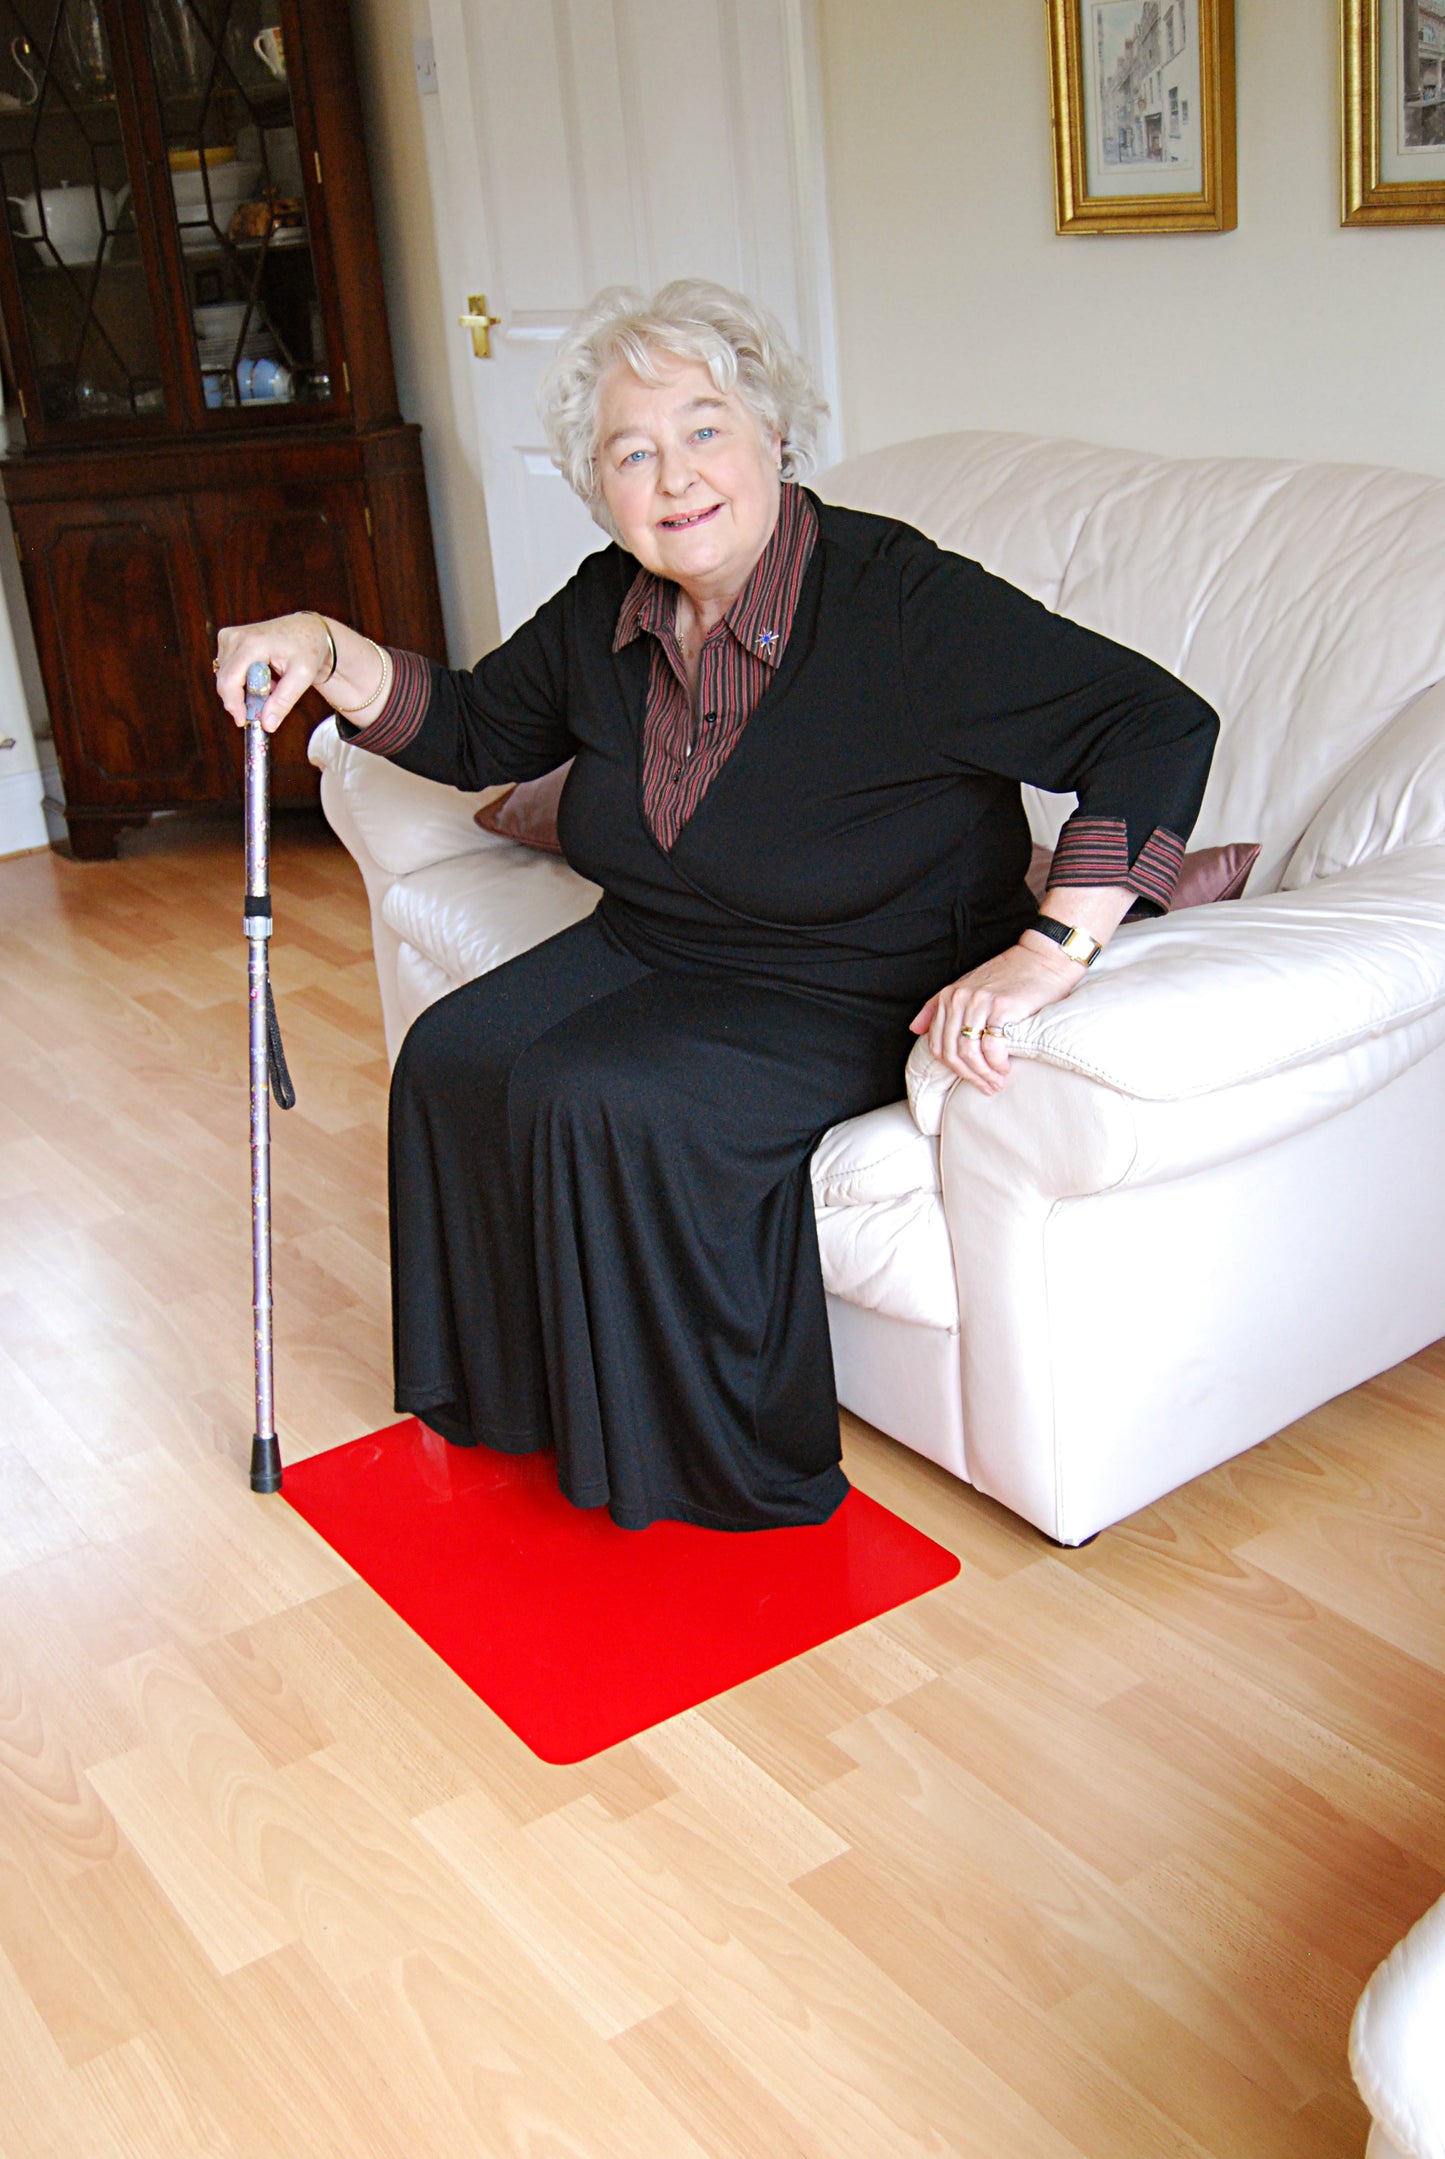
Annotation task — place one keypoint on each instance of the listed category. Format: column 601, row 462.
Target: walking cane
column 268, row 1068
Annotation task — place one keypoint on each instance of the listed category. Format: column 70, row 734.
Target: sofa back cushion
column 1015, row 503
column 1391, row 796
column 1301, row 600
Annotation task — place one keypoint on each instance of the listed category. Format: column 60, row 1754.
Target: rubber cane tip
column 265, row 1463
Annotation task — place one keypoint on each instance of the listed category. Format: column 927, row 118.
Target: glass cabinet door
column 240, row 204
column 83, row 287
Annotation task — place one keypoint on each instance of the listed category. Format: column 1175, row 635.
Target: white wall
column 959, row 306
column 403, row 138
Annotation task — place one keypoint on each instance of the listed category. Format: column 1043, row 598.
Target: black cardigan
column 866, row 840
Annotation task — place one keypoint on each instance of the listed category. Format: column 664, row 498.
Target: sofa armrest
column 392, row 823
column 405, row 823
column 328, row 752
column 1222, row 1028
column 1098, row 1249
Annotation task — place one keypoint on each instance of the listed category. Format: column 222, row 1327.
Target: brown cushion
column 1210, row 873
column 528, row 812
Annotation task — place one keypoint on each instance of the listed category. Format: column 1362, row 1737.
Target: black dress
column 602, row 1224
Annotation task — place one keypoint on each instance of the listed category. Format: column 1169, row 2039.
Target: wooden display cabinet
column 195, row 339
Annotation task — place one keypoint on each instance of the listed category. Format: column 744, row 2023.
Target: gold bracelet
column 381, row 683
column 330, row 645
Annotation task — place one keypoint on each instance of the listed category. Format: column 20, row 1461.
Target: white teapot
column 69, row 218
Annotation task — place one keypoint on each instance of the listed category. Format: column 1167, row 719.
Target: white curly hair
column 738, row 342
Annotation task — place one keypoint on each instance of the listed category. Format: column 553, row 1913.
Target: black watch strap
column 1078, row 944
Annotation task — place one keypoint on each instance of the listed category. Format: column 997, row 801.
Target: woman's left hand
column 1016, row 984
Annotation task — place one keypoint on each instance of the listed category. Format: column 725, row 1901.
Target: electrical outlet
column 424, row 53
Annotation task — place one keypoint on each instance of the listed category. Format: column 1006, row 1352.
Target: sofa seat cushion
column 472, row 912
column 882, row 1233
column 879, row 1156
column 419, row 983
column 893, row 1257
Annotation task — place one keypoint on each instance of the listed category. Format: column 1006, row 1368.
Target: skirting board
column 53, row 805
column 22, row 821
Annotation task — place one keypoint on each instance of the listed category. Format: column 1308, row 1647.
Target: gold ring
column 215, row 667
column 998, row 1033
column 970, row 1034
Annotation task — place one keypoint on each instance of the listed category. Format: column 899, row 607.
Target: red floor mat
column 575, row 1632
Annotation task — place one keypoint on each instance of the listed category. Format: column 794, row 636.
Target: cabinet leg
column 94, row 839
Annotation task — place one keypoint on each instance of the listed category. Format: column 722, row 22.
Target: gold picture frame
column 1386, row 48
column 1143, row 93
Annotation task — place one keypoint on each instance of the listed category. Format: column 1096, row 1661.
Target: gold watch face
column 1078, row 945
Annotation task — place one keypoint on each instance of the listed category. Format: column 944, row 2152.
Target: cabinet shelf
column 261, row 96
column 79, row 270
column 224, row 248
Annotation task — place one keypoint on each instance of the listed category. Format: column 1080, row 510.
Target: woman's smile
column 684, row 520
column 689, row 478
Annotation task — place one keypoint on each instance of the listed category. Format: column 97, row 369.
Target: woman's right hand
column 296, row 648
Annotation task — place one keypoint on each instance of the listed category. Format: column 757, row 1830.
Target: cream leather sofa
column 1212, row 1196
column 1397, row 2045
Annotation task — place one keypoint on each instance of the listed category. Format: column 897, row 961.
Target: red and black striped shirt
column 686, row 741
column 684, row 746
column 1095, row 851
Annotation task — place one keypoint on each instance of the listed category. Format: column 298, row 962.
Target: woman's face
column 692, row 485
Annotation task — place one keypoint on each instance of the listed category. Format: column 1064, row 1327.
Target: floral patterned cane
column 268, row 1070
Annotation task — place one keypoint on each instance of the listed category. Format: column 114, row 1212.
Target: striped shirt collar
column 761, row 617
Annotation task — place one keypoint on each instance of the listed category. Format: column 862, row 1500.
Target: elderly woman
column 798, row 735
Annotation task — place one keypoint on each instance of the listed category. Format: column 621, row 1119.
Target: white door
column 596, row 142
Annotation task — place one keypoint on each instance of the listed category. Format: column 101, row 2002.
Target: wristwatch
column 1078, row 944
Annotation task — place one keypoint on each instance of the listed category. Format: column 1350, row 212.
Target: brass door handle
column 480, row 323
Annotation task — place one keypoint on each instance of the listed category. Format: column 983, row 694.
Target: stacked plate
column 219, row 325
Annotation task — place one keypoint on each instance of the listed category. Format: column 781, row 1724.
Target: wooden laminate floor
column 1088, row 1853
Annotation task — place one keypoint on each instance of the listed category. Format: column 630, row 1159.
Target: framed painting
column 1143, row 112
column 1392, row 117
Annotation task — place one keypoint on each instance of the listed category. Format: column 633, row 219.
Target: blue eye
column 703, row 433
column 632, row 456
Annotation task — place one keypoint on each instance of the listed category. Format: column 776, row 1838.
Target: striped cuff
column 1095, row 851
column 399, row 720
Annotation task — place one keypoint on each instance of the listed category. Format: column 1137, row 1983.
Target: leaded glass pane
column 235, row 174
column 87, row 304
